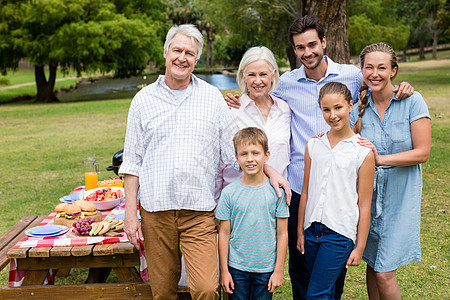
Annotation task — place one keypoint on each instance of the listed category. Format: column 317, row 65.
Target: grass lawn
column 42, row 147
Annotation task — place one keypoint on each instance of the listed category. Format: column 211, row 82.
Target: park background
column 42, row 144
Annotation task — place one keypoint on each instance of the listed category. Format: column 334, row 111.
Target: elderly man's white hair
column 188, row 30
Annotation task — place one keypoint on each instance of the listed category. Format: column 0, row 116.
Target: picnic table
column 34, row 263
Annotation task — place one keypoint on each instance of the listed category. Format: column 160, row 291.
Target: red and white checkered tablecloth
column 16, row 277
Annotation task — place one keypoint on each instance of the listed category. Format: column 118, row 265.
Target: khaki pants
column 196, row 232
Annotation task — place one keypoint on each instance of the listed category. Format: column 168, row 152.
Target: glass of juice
column 91, row 169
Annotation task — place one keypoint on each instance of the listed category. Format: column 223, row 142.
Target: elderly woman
column 258, row 77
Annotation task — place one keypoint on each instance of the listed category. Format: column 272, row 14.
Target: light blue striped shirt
column 302, row 94
column 253, row 211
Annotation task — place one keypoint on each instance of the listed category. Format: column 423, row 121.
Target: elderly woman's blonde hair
column 254, row 54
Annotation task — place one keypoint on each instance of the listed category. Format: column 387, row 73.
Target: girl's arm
column 226, row 281
column 365, row 188
column 421, row 140
column 277, row 277
column 302, row 206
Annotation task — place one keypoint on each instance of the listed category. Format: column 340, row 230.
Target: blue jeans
column 298, row 270
column 326, row 254
column 249, row 285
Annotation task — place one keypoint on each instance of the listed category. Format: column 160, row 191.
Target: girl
column 399, row 133
column 334, row 208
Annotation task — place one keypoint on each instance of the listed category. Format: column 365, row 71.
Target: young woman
column 334, row 211
column 399, row 133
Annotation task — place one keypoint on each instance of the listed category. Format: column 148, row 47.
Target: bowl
column 105, row 204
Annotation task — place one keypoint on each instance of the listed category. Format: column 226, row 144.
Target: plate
column 121, row 216
column 68, row 198
column 47, row 235
column 46, row 230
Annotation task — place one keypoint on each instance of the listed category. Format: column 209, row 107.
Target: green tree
column 372, row 21
column 80, row 34
column 427, row 21
column 266, row 22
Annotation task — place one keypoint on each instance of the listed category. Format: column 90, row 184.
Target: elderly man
column 178, row 128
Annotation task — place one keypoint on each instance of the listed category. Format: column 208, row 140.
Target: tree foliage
column 80, row 34
column 372, row 21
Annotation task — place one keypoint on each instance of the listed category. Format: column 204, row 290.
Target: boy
column 253, row 235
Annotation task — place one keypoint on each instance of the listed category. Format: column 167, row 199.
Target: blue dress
column 394, row 235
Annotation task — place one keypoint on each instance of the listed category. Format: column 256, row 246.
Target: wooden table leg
column 35, row 277
column 129, row 274
column 63, row 272
column 98, row 275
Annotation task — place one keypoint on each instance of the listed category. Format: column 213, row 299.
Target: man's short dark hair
column 306, row 23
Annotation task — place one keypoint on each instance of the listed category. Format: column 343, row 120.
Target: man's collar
column 332, row 68
column 161, row 81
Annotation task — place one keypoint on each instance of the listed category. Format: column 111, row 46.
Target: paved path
column 32, row 83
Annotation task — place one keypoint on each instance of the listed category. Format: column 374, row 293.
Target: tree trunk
column 333, row 16
column 435, row 40
column 207, row 54
column 421, row 49
column 45, row 89
column 211, row 58
column 293, row 61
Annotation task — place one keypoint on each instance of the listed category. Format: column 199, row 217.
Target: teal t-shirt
column 253, row 213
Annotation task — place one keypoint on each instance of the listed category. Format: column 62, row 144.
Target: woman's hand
column 277, row 181
column 366, row 143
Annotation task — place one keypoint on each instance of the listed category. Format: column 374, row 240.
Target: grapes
column 83, row 226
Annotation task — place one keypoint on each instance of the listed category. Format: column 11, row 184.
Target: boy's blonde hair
column 251, row 135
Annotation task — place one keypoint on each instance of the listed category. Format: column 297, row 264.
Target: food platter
column 105, row 204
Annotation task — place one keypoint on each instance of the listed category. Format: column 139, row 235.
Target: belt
column 379, row 187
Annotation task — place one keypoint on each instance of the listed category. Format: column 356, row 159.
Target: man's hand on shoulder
column 403, row 90
column 232, row 100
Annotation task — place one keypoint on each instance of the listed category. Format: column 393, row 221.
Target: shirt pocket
column 399, row 131
column 202, row 129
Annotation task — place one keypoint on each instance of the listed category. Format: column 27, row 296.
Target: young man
column 300, row 89
column 173, row 125
column 253, row 229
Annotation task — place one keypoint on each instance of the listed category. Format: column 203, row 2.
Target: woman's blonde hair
column 362, row 98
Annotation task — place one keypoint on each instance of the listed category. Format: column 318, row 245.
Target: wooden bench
column 15, row 234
